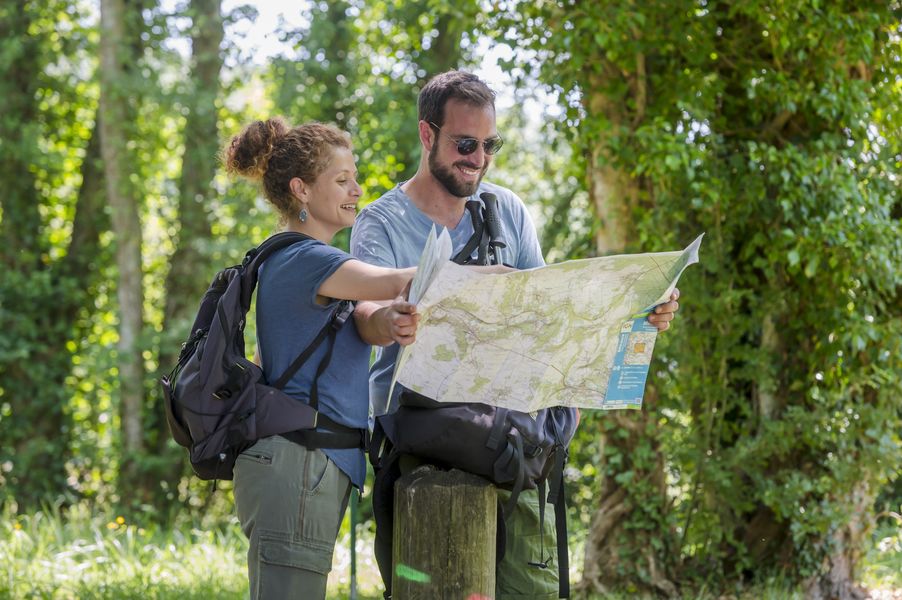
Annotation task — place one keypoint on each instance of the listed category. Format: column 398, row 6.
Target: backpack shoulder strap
column 330, row 329
column 255, row 257
column 557, row 497
column 250, row 269
column 563, row 553
column 463, row 257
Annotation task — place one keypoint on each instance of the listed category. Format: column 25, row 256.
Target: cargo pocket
column 254, row 475
column 288, row 568
column 323, row 501
column 315, row 465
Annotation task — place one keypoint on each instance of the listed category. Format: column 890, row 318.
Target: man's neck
column 433, row 199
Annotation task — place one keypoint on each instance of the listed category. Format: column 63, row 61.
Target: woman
column 291, row 499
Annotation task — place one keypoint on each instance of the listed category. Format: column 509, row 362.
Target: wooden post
column 444, row 536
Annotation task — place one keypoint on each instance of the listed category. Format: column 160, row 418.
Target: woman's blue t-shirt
column 288, row 318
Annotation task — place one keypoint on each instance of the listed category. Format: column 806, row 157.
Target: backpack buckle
column 342, row 313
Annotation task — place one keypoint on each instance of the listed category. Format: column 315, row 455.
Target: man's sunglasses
column 468, row 145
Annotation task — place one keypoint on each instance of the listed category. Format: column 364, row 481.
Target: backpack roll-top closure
column 217, row 345
column 208, row 305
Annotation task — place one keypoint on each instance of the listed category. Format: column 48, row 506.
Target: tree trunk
column 126, row 224
column 620, row 553
column 337, row 51
column 766, row 403
column 445, row 52
column 840, row 567
column 186, row 280
column 201, row 138
column 611, row 194
column 83, row 255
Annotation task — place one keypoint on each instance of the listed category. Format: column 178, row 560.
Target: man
column 459, row 138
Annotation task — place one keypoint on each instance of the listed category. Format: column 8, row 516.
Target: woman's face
column 334, row 195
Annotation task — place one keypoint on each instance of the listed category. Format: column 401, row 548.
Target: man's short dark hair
column 457, row 85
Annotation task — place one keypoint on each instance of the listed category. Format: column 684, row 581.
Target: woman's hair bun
column 248, row 152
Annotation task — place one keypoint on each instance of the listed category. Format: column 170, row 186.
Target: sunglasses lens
column 467, row 146
column 493, row 145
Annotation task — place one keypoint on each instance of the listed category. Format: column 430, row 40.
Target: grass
column 89, row 556
column 86, row 556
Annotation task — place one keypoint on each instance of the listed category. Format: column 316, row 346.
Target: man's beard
column 447, row 178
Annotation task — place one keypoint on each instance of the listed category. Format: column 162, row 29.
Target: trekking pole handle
column 493, row 225
column 472, row 207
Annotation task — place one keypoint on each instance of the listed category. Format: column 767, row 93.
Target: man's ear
column 298, row 188
column 427, row 135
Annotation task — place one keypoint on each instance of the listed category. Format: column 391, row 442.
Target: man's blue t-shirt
column 288, row 318
column 392, row 231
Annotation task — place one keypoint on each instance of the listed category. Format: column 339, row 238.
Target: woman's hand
column 400, row 320
column 663, row 313
column 381, row 324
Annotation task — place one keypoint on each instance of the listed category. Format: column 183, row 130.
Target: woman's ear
column 298, row 188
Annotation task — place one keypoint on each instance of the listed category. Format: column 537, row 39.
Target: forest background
column 769, row 446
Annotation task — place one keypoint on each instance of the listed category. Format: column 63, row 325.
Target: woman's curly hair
column 274, row 153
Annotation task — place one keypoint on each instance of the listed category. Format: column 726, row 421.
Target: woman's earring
column 303, row 215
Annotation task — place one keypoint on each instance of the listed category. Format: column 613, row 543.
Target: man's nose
column 479, row 156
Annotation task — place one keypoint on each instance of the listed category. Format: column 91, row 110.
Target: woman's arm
column 357, row 280
column 383, row 323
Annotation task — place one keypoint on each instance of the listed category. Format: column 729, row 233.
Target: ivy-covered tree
column 772, row 419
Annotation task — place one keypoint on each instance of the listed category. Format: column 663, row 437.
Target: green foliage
column 42, row 292
column 883, row 562
column 776, row 130
column 80, row 555
column 360, row 65
column 85, row 553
